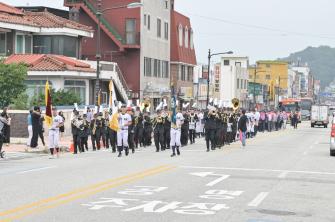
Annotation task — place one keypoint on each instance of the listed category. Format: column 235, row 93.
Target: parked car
column 305, row 115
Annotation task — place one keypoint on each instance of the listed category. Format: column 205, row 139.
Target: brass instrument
column 157, row 120
column 236, row 104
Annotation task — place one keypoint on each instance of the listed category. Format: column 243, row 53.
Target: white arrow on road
column 214, row 182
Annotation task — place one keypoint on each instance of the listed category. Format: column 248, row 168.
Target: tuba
column 236, row 104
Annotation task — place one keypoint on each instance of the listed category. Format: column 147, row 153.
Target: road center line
column 283, row 175
column 259, row 170
column 55, row 201
column 36, row 169
column 258, row 199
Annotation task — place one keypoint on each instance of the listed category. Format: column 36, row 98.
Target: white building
column 155, row 49
column 234, row 80
column 304, row 72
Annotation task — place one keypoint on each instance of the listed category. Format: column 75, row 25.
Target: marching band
column 131, row 128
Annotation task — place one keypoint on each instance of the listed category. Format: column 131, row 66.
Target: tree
column 12, row 78
column 21, row 102
column 59, row 98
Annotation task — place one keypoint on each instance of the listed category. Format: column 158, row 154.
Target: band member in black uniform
column 94, row 132
column 147, row 131
column 184, row 130
column 75, row 131
column 131, row 131
column 167, row 128
column 193, row 118
column 218, row 131
column 158, row 125
column 138, row 136
column 210, row 128
column 111, row 136
column 86, row 133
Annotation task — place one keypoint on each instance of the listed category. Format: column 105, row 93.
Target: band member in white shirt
column 57, row 122
column 176, row 124
column 124, row 121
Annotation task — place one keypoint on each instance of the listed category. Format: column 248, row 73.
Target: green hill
column 321, row 60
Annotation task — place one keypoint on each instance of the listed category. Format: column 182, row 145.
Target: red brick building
column 183, row 58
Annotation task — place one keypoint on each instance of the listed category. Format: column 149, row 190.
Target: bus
column 306, row 108
column 291, row 105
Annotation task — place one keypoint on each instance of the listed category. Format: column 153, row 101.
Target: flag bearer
column 57, row 122
column 124, row 121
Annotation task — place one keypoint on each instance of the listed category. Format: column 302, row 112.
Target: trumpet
column 236, row 104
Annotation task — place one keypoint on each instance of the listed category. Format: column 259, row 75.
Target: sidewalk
column 19, row 145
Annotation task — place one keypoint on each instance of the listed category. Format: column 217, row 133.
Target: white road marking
column 217, row 180
column 214, row 182
column 283, row 175
column 36, row 169
column 258, row 199
column 258, row 170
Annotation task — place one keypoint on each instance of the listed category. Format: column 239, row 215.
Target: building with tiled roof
column 26, row 32
column 69, row 74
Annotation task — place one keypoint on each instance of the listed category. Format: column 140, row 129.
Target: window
column 2, row 43
column 166, row 30
column 268, row 65
column 149, row 22
column 183, row 77
column 77, row 87
column 238, row 84
column 23, row 44
column 238, row 64
column 59, row 45
column 186, row 37
column 165, row 69
column 145, row 20
column 130, row 31
column 180, row 34
column 166, row 4
column 159, row 28
column 147, row 66
column 190, row 74
column 191, row 39
column 226, row 62
column 159, row 68
column 155, row 67
column 35, row 87
column 268, row 77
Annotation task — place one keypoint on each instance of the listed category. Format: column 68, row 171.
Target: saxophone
column 94, row 127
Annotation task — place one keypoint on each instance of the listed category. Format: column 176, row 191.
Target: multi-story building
column 50, row 46
column 183, row 59
column 200, row 86
column 234, row 79
column 137, row 39
column 304, row 72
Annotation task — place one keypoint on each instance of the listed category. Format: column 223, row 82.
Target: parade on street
column 166, row 111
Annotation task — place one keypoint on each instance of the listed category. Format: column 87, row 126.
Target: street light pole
column 209, row 68
column 98, row 53
column 99, row 14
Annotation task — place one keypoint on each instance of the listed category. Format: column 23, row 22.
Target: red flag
column 48, row 105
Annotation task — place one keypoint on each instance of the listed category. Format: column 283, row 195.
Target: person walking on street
column 30, row 128
column 35, row 121
column 62, row 128
column 122, row 135
column 210, row 129
column 6, row 130
column 176, row 123
column 242, row 127
column 3, row 123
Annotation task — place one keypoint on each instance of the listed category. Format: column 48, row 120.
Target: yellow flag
column 48, row 105
column 114, row 122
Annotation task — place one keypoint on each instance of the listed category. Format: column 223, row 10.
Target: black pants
column 111, row 138
column 131, row 143
column 159, row 139
column 210, row 137
column 138, row 136
column 1, row 141
column 34, row 139
column 6, row 134
column 191, row 134
column 40, row 134
column 76, row 143
column 95, row 144
column 84, row 144
column 184, row 136
column 147, row 137
column 167, row 137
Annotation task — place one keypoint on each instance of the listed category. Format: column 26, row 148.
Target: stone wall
column 19, row 125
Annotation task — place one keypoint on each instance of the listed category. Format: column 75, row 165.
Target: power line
column 283, row 32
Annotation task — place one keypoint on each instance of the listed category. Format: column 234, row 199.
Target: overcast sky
column 260, row 29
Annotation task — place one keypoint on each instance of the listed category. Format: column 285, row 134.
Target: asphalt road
column 279, row 177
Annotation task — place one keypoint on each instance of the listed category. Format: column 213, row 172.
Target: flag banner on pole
column 111, row 94
column 48, row 105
